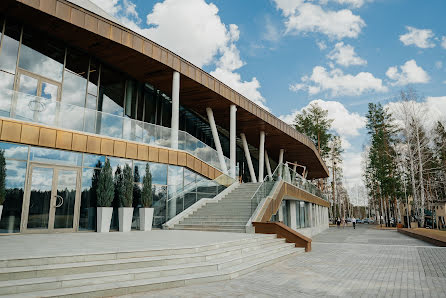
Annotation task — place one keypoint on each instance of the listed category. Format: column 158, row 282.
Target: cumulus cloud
column 409, row 73
column 345, row 123
column 178, row 24
column 303, row 17
column 353, row 3
column 418, row 37
column 345, row 55
column 338, row 83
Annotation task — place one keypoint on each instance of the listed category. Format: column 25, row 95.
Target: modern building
column 77, row 87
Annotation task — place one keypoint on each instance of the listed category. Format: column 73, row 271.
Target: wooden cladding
column 284, row 189
column 283, row 231
column 39, row 135
column 199, row 81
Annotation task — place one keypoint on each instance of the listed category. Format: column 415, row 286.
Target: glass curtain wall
column 164, row 177
column 47, row 68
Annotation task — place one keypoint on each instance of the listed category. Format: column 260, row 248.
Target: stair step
column 76, row 280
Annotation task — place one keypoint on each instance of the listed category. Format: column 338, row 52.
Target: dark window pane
column 41, row 55
column 93, row 78
column 87, row 218
column 12, row 207
column 111, row 92
column 149, row 105
column 10, row 46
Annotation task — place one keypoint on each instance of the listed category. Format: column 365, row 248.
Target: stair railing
column 198, row 189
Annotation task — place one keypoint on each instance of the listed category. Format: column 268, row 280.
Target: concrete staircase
column 230, row 214
column 122, row 273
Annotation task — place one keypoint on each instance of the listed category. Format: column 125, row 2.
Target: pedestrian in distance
column 354, row 222
column 338, row 222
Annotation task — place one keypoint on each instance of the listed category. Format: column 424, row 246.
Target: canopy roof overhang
column 147, row 61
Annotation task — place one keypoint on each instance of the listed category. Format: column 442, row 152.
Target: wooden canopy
column 147, row 61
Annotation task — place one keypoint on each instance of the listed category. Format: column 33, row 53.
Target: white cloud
column 302, row 17
column 345, row 123
column 443, row 42
column 439, row 64
column 271, row 32
column 249, row 89
column 109, row 6
column 345, row 55
column 353, row 3
column 178, row 24
column 409, row 73
column 322, row 45
column 338, row 83
column 418, row 37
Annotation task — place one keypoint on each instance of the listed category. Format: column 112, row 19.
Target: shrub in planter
column 126, row 198
column 146, row 213
column 105, row 195
column 2, row 180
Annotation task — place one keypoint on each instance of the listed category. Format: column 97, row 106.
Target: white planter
column 1, row 209
column 104, row 216
column 125, row 218
column 145, row 219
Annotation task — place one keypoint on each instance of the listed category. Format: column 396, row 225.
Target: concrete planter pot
column 145, row 219
column 1, row 209
column 104, row 216
column 125, row 215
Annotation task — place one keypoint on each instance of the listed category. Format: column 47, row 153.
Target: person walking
column 354, row 222
column 338, row 222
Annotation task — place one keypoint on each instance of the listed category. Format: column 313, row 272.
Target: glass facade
column 44, row 165
column 59, row 85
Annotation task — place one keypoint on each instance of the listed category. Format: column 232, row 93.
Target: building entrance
column 52, row 199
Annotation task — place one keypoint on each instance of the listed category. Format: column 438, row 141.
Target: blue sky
column 283, row 54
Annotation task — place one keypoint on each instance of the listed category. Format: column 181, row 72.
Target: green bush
column 146, row 196
column 106, row 190
column 127, row 197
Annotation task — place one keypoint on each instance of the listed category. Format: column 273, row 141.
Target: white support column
column 174, row 124
column 261, row 155
column 248, row 158
column 232, row 139
column 310, row 215
column 217, row 143
column 293, row 216
column 281, row 161
column 268, row 166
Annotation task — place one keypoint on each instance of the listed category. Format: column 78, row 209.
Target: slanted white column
column 232, row 136
column 217, row 143
column 310, row 214
column 174, row 124
column 280, row 213
column 268, row 166
column 293, row 218
column 261, row 155
column 248, row 158
column 281, row 161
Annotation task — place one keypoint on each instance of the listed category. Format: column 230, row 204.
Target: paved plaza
column 344, row 262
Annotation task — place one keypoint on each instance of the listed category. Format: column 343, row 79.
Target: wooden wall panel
column 91, row 23
column 153, row 154
column 93, row 145
column 132, row 151
column 11, row 131
column 143, row 152
column 77, row 17
column 104, row 29
column 63, row 11
column 47, row 137
column 79, row 142
column 182, row 159
column 107, row 146
column 48, row 6
column 204, row 169
column 30, row 134
column 173, row 157
column 147, row 48
column 119, row 149
column 163, row 156
column 197, row 165
column 64, row 139
column 190, row 161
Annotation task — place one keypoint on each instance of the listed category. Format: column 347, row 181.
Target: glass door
column 52, row 199
column 37, row 98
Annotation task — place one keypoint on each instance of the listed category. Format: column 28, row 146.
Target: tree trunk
column 420, row 173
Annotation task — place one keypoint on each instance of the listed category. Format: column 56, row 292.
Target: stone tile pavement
column 344, row 262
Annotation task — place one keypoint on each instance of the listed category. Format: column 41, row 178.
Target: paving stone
column 344, row 263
